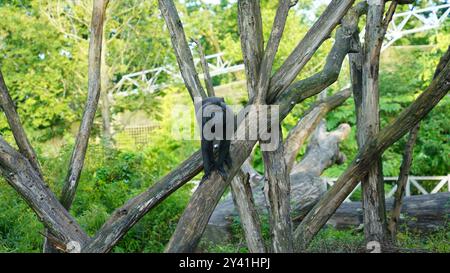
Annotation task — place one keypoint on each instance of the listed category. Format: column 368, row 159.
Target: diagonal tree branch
column 406, row 166
column 25, row 148
column 316, row 35
column 307, row 124
column 82, row 141
column 181, row 47
column 402, row 181
column 343, row 45
column 245, row 204
column 252, row 41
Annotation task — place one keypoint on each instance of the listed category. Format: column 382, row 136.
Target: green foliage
column 436, row 242
column 19, row 227
column 331, row 240
column 38, row 73
column 110, row 178
column 337, row 241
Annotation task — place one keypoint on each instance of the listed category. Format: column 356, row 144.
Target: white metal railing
column 146, row 80
column 428, row 18
column 431, row 17
column 414, row 182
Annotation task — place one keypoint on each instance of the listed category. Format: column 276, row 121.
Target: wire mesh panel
column 136, row 136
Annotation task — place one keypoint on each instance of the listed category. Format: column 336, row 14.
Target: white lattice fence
column 414, row 184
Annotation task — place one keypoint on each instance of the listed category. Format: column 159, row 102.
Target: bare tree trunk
column 277, row 190
column 94, row 88
column 243, row 200
column 401, row 182
column 252, row 41
column 369, row 124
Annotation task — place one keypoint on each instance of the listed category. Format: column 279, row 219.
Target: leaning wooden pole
column 94, row 80
column 401, row 182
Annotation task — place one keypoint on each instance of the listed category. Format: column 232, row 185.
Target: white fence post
column 408, row 187
column 448, row 182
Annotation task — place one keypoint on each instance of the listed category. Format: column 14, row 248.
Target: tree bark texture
column 369, row 124
column 243, row 200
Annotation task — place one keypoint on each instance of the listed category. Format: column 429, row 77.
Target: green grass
column 330, row 240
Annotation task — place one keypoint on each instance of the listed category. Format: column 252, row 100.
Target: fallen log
column 425, row 213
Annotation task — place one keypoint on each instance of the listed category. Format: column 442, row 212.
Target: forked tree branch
column 94, row 79
column 20, row 174
column 343, row 45
column 181, row 47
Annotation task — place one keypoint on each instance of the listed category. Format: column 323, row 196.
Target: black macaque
column 216, row 116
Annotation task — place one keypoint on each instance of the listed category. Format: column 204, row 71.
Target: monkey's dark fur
column 213, row 106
